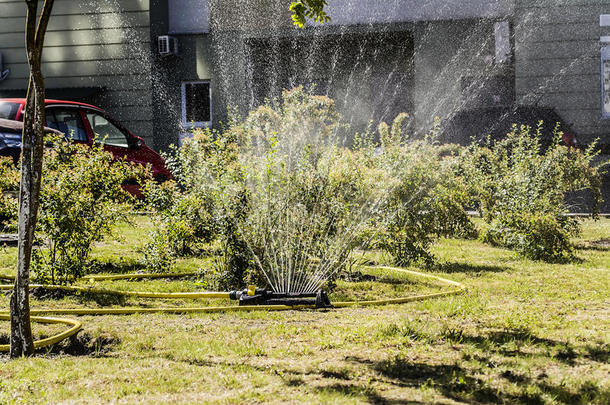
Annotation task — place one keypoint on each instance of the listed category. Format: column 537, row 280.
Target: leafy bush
column 9, row 187
column 284, row 199
column 520, row 190
column 535, row 235
column 427, row 197
column 81, row 199
column 196, row 210
column 287, row 203
column 185, row 217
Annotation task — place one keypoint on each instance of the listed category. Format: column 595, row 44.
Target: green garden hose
column 75, row 326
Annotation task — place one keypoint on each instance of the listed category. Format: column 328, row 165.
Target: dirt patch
column 83, row 344
column 357, row 276
column 45, row 293
column 605, row 243
column 600, row 244
column 8, row 240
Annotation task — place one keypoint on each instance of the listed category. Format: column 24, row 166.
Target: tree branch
column 43, row 22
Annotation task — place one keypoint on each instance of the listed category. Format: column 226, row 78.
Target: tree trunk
column 31, row 173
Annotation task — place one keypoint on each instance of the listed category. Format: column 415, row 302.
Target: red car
column 83, row 122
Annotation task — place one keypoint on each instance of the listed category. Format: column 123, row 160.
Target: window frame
column 53, row 108
column 196, row 124
column 605, row 58
column 131, row 139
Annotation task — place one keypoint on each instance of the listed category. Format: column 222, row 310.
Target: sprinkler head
column 256, row 296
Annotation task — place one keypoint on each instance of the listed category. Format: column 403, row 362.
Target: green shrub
column 196, row 210
column 9, row 188
column 520, row 190
column 283, row 198
column 426, row 197
column 158, row 256
column 535, row 235
column 185, row 219
column 285, row 204
column 81, row 199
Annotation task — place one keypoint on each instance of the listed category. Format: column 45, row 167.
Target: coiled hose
column 76, row 326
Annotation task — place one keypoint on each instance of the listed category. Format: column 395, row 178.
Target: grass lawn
column 525, row 332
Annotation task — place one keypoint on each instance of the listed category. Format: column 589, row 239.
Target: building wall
column 455, row 69
column 557, row 60
column 393, row 11
column 95, row 50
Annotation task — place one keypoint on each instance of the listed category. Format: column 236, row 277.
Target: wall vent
column 167, row 45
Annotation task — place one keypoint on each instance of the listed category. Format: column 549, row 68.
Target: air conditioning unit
column 167, row 45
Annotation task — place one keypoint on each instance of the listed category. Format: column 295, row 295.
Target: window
column 106, row 132
column 189, row 16
column 67, row 121
column 606, row 81
column 8, row 111
column 196, row 104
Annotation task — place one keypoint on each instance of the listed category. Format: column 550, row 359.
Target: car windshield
column 8, row 111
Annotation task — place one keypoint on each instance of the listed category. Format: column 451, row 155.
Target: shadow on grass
column 83, row 297
column 456, row 267
column 340, row 381
column 461, row 384
column 357, row 391
column 450, row 380
column 509, row 342
column 601, row 245
column 359, row 277
column 82, row 344
column 116, row 267
column 598, row 352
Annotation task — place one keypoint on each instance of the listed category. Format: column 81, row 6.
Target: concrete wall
column 392, row 11
column 95, row 50
column 448, row 65
column 557, row 60
column 195, row 62
column 455, row 69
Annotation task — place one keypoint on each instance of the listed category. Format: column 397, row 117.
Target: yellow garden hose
column 138, row 294
column 76, row 326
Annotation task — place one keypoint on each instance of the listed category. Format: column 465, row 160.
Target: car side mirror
column 137, row 144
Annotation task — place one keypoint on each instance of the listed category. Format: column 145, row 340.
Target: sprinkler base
column 255, row 296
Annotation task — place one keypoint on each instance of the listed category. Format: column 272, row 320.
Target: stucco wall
column 557, row 60
column 89, row 43
column 454, row 69
column 392, row 11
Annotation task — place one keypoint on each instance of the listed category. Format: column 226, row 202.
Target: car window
column 106, row 132
column 8, row 111
column 50, row 119
column 67, row 121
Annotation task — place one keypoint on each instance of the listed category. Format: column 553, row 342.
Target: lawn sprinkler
column 258, row 296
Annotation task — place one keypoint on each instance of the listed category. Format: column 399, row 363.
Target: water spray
column 258, row 296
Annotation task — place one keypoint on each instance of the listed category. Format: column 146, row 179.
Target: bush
column 520, row 190
column 535, row 235
column 427, row 196
column 196, row 210
column 286, row 202
column 158, row 256
column 185, row 218
column 81, row 199
column 9, row 188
